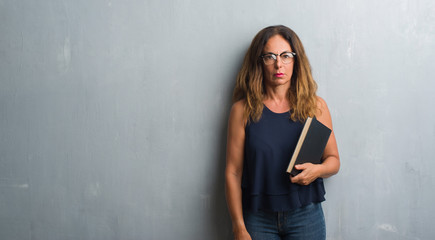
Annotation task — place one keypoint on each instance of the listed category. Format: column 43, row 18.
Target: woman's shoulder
column 321, row 103
column 238, row 111
column 239, row 105
column 323, row 114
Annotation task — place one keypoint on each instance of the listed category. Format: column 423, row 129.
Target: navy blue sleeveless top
column 269, row 145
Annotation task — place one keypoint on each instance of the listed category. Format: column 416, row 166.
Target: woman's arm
column 234, row 169
column 330, row 159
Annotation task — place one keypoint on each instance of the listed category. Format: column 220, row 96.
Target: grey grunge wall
column 113, row 114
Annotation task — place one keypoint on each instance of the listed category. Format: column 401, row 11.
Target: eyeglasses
column 271, row 58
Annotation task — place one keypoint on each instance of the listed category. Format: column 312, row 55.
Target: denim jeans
column 305, row 223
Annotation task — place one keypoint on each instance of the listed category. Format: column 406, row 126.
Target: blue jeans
column 305, row 223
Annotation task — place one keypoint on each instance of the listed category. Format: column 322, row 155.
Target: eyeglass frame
column 275, row 57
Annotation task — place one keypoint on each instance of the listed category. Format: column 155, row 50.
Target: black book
column 310, row 146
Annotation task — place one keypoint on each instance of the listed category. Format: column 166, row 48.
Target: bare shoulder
column 238, row 106
column 237, row 112
column 323, row 114
column 321, row 103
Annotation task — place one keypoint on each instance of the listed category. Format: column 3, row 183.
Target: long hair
column 250, row 86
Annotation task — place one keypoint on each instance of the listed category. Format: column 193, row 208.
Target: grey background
column 113, row 114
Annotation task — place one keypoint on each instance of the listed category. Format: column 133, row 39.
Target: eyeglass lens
column 286, row 58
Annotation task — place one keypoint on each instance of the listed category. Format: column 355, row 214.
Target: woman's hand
column 242, row 235
column 330, row 159
column 310, row 172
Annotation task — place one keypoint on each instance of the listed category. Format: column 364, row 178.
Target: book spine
column 299, row 144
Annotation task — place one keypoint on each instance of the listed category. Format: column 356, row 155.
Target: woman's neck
column 276, row 99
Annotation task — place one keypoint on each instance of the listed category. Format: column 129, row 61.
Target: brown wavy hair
column 250, row 86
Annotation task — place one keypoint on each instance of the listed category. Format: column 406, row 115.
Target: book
column 310, row 146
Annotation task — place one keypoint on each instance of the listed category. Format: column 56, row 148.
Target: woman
column 274, row 94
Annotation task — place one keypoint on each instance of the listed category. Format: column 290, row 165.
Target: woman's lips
column 279, row 74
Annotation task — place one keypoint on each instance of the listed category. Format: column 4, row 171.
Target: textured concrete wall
column 113, row 114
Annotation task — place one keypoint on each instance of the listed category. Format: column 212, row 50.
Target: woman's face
column 277, row 73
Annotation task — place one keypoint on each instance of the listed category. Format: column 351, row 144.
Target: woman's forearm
column 330, row 166
column 234, row 200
